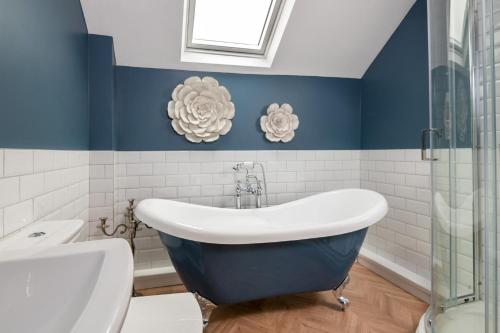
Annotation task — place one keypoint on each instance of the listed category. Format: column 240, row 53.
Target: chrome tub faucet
column 252, row 184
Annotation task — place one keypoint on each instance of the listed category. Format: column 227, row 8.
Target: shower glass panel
column 452, row 167
column 462, row 137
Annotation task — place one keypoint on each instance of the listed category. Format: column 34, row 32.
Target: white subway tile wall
column 404, row 236
column 42, row 185
column 206, row 177
column 101, row 191
column 48, row 184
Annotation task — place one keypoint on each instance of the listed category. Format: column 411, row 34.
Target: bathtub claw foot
column 343, row 301
column 206, row 308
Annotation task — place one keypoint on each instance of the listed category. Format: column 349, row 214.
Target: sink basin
column 80, row 287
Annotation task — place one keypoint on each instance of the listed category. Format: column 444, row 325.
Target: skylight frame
column 269, row 29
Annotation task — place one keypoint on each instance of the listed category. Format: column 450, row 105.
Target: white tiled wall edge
column 101, row 190
column 42, row 185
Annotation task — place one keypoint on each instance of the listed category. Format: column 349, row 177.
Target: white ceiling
column 337, row 38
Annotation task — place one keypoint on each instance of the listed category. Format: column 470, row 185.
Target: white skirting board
column 156, row 277
column 400, row 276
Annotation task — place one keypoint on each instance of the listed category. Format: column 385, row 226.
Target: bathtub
column 230, row 256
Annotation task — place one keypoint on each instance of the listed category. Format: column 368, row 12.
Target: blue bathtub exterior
column 229, row 274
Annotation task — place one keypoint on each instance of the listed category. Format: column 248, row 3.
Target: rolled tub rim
column 270, row 235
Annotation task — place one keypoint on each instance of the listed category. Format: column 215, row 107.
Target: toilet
column 163, row 313
column 44, row 233
column 149, row 314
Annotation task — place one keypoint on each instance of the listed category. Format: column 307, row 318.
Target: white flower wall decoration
column 280, row 123
column 201, row 109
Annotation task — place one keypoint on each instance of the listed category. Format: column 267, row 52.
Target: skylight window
column 231, row 25
column 458, row 9
column 234, row 32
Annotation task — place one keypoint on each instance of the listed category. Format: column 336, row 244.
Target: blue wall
column 395, row 97
column 328, row 109
column 386, row 109
column 47, row 64
column 101, row 92
column 43, row 75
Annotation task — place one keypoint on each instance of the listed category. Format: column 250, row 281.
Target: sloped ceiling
column 338, row 38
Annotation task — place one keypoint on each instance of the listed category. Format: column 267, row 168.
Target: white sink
column 80, row 287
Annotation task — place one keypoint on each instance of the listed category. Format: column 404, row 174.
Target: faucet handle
column 104, row 223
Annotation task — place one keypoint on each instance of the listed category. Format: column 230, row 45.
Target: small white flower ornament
column 280, row 123
column 201, row 109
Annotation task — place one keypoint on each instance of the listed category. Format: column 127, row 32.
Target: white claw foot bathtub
column 229, row 256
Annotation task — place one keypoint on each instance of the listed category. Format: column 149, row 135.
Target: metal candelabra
column 132, row 225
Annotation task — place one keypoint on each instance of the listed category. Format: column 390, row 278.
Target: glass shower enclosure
column 464, row 63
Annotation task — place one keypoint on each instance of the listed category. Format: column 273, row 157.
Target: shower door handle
column 427, row 133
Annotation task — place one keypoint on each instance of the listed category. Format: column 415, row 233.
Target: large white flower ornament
column 280, row 123
column 201, row 109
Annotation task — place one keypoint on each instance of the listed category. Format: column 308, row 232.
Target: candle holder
column 132, row 225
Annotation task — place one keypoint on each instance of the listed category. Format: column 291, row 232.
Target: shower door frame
column 485, row 62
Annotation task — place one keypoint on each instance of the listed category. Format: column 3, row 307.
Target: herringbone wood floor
column 377, row 306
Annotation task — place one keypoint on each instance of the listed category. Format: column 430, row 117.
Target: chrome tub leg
column 343, row 301
column 206, row 308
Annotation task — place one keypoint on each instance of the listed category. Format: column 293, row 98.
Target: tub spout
column 206, row 308
column 343, row 301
